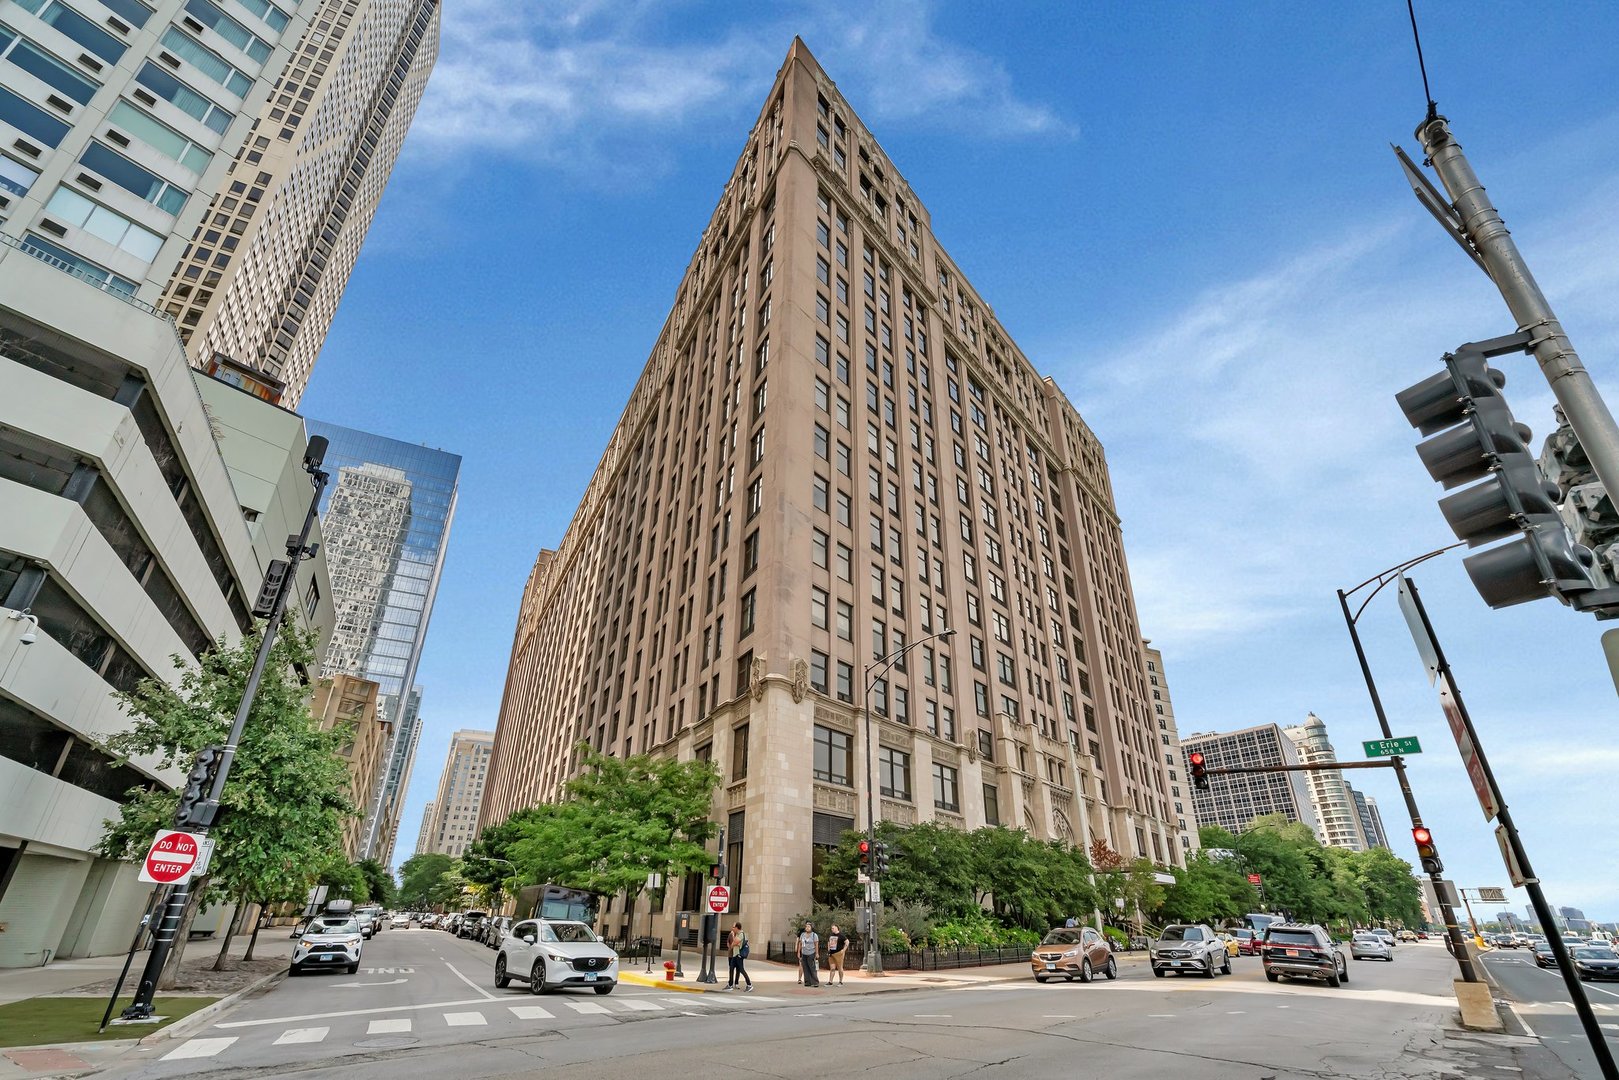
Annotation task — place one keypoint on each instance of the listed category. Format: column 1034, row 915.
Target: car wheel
column 1040, row 979
column 354, row 969
column 536, row 978
column 1344, row 974
column 608, row 989
column 502, row 980
column 1085, row 970
column 1112, row 969
column 294, row 970
column 1272, row 976
column 1226, row 970
column 1158, row 973
column 1208, row 972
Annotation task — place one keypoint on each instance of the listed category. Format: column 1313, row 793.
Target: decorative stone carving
column 756, row 679
column 950, row 821
column 899, row 812
column 1065, row 831
column 834, row 800
column 825, row 714
column 800, row 679
column 736, row 796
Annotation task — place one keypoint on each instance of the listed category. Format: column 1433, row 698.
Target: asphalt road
column 425, row 1006
column 1542, row 1002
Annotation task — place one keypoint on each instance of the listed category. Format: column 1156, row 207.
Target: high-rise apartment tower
column 1330, row 794
column 454, row 822
column 836, row 451
column 265, row 269
column 1233, row 802
column 1169, row 746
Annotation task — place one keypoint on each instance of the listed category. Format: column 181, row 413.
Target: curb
column 658, row 984
column 188, row 1024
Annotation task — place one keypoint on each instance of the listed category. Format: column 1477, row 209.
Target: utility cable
column 1433, row 106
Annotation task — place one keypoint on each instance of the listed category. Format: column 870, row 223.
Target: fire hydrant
column 668, row 971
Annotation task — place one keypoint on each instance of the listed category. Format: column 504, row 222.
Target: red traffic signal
column 1200, row 779
column 1427, row 851
column 1422, row 836
column 865, row 855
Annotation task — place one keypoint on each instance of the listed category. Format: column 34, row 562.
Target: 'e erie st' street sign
column 1392, row 747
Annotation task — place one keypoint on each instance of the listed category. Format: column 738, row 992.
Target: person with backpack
column 737, row 947
column 837, row 943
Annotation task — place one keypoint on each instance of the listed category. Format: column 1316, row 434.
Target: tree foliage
column 379, row 883
column 282, row 809
column 417, row 877
column 625, row 819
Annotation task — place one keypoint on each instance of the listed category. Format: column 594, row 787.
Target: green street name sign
column 1392, row 747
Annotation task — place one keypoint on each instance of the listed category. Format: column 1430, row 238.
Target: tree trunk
column 258, row 919
column 230, row 932
column 171, row 970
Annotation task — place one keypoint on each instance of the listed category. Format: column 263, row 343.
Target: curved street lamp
column 874, row 673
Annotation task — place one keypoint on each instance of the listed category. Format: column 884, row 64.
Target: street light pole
column 874, row 672
column 1453, row 931
column 168, row 927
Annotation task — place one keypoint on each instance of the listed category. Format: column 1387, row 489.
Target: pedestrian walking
column 809, row 945
column 737, row 948
column 837, row 945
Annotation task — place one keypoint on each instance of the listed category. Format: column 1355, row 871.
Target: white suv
column 550, row 954
column 331, row 941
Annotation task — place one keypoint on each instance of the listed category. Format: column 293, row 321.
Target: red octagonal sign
column 719, row 899
column 171, row 858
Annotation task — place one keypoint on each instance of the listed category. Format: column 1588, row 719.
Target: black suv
column 1303, row 952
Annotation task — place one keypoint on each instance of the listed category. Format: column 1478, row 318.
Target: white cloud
column 599, row 85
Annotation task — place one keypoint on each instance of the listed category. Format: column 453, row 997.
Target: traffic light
column 275, row 575
column 196, row 810
column 1200, row 771
column 881, row 861
column 1473, row 436
column 1427, row 851
column 1588, row 511
column 716, row 871
column 865, row 857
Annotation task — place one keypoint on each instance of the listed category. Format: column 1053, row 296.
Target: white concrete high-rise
column 118, row 124
column 1330, row 795
column 262, row 278
column 454, row 822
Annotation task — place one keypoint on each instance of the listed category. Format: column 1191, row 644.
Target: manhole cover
column 387, row 1042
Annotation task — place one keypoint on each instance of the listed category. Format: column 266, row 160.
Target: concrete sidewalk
column 778, row 979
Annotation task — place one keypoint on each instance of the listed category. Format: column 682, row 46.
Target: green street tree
column 379, row 883
column 283, row 806
column 1209, row 890
column 625, row 819
column 418, row 875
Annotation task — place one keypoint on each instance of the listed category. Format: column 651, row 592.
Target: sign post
column 171, row 859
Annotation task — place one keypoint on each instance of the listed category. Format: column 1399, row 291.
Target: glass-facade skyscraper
column 386, row 518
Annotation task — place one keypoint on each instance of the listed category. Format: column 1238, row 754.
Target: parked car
column 1596, row 962
column 451, row 923
column 553, row 954
column 401, row 921
column 471, row 924
column 332, row 940
column 1247, row 941
column 1406, row 935
column 1073, row 952
column 1365, row 946
column 495, row 931
column 368, row 923
column 1386, row 935
column 1190, row 947
column 376, row 914
column 1302, row 951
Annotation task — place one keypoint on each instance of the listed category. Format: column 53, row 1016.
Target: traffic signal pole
column 1480, row 223
column 1453, row 930
column 1543, row 911
column 198, row 819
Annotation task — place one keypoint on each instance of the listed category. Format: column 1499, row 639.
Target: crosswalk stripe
column 639, row 1005
column 465, row 1019
column 588, row 1007
column 530, row 1012
column 389, row 1027
column 198, row 1048
column 302, row 1035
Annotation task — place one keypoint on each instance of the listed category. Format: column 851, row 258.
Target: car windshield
column 1063, row 937
column 571, row 932
column 1242, row 935
column 1592, row 952
column 1373, row 938
column 334, row 925
column 1290, row 937
column 1182, row 933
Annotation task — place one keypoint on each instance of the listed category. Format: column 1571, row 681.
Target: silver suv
column 1190, row 947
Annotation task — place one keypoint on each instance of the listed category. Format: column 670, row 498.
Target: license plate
column 1292, row 952
column 590, row 978
column 1050, row 965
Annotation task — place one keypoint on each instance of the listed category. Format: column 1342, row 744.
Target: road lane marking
column 1160, row 1016
column 930, row 1016
column 302, row 1035
column 344, row 1012
column 637, row 1005
column 391, row 982
column 589, row 1008
column 465, row 1019
column 198, row 1048
column 1058, row 1016
column 389, row 1027
column 531, row 1012
column 487, row 995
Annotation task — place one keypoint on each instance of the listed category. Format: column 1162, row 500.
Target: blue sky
column 1188, row 215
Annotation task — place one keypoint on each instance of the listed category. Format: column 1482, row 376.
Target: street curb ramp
column 200, row 1018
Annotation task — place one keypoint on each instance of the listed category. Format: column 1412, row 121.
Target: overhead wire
column 1433, row 106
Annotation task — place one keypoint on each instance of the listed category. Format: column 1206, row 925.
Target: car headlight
column 306, row 943
column 354, row 940
column 556, row 958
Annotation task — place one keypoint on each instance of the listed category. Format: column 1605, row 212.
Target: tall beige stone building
column 265, row 269
column 1169, row 747
column 836, row 451
column 452, row 820
column 347, row 699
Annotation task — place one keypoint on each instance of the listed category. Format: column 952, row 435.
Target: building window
column 834, row 756
column 818, row 671
column 894, row 772
column 845, row 681
column 818, row 604
column 945, row 793
column 744, row 672
column 739, row 753
column 748, row 605
column 750, row 553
